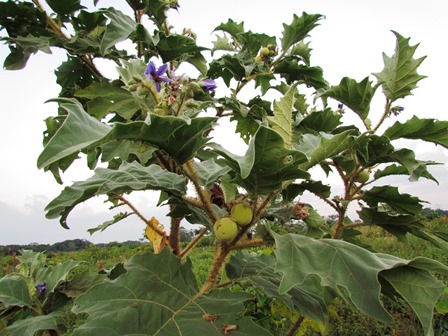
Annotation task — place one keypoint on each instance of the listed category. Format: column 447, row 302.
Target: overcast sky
column 349, row 42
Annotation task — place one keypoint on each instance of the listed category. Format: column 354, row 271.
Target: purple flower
column 156, row 75
column 340, row 106
column 208, row 85
column 42, row 287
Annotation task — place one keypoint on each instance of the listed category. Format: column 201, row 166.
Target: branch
column 139, row 214
column 193, row 243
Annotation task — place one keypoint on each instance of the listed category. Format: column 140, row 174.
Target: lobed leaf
column 356, row 96
column 399, row 76
column 299, row 29
column 118, row 30
column 430, row 130
column 400, row 203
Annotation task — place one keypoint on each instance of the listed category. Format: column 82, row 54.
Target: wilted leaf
column 158, row 240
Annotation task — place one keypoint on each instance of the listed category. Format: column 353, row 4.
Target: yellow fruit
column 225, row 229
column 242, row 214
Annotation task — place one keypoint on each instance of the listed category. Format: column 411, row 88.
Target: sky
column 349, row 42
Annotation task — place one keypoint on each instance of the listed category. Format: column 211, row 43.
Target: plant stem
column 295, row 326
column 193, row 243
column 175, row 233
column 218, row 262
column 203, row 194
column 138, row 213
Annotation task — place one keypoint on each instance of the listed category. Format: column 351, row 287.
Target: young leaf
column 299, row 29
column 399, row 76
column 282, row 121
column 356, row 96
column 158, row 296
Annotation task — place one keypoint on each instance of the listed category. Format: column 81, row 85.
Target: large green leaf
column 128, row 177
column 180, row 138
column 299, row 29
column 266, row 164
column 64, row 8
column 14, row 291
column 259, row 272
column 293, row 72
column 118, row 29
column 282, row 121
column 323, row 146
column 354, row 273
column 78, row 132
column 30, row 326
column 158, row 295
column 417, row 287
column 399, row 76
column 356, row 96
column 430, row 130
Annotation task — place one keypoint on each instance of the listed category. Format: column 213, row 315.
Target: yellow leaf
column 156, row 237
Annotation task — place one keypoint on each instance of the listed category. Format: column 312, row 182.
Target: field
column 99, row 262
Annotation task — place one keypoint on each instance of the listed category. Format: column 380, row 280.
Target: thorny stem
column 193, row 243
column 175, row 233
column 139, row 214
column 203, row 194
column 220, row 256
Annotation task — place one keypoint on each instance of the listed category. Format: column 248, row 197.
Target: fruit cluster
column 227, row 228
column 266, row 53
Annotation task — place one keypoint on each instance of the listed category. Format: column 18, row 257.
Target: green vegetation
column 285, row 270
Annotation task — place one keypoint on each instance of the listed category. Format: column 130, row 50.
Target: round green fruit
column 362, row 176
column 225, row 229
column 242, row 214
column 264, row 51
